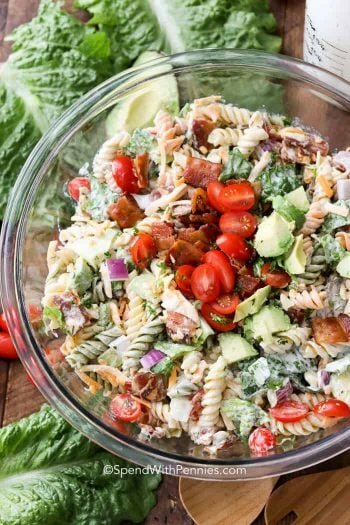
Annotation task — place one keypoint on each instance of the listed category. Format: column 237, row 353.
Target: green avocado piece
column 295, row 261
column 299, row 199
column 253, row 304
column 273, row 237
column 270, row 320
column 235, row 348
column 343, row 267
column 82, row 277
column 288, row 211
column 139, row 108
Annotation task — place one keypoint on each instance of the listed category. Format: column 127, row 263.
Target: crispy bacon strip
column 125, row 211
column 183, row 252
column 163, row 234
column 199, row 172
column 149, row 386
column 141, row 169
column 201, row 130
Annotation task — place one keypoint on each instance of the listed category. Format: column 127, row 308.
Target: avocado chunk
column 299, row 198
column 253, row 304
column 82, row 277
column 138, row 109
column 295, row 261
column 270, row 320
column 274, row 236
column 288, row 211
column 235, row 348
column 343, row 267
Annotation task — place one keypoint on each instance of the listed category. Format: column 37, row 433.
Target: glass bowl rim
column 12, row 235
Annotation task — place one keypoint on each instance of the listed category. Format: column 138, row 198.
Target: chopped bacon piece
column 192, row 235
column 125, row 211
column 296, row 315
column 199, row 172
column 196, row 405
column 199, row 201
column 329, row 330
column 247, row 285
column 141, row 170
column 163, row 234
column 301, row 147
column 201, row 130
column 204, row 218
column 180, row 327
column 183, row 252
column 149, row 386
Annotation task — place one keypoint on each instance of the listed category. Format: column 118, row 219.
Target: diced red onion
column 284, row 392
column 323, row 378
column 151, row 358
column 117, row 270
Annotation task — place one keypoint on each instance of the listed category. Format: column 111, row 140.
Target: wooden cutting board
column 315, row 499
column 225, row 503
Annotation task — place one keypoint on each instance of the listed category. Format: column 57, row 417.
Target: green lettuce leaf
column 245, row 415
column 180, row 25
column 334, row 221
column 51, row 474
column 55, row 60
column 278, row 179
column 237, row 167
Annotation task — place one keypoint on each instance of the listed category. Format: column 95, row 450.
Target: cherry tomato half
column 241, row 222
column 221, row 323
column 123, row 172
column 7, row 348
column 75, row 185
column 225, row 304
column 222, row 265
column 274, row 278
column 205, row 283
column 332, row 408
column 261, row 440
column 237, row 196
column 35, row 314
column 234, row 246
column 143, row 250
column 214, row 190
column 125, row 407
column 183, row 278
column 3, row 324
column 289, row 411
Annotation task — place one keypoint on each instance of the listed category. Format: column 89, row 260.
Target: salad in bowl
column 203, row 284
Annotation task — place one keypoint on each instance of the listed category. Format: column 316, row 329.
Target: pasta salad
column 203, row 285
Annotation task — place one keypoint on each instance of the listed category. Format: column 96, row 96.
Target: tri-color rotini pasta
column 203, row 286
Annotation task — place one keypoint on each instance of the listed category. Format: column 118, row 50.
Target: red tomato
column 289, row 411
column 222, row 265
column 234, row 246
column 124, row 174
column 274, row 278
column 143, row 250
column 332, row 408
column 241, row 222
column 221, row 323
column 7, row 348
column 237, row 196
column 225, row 304
column 3, row 324
column 35, row 313
column 125, row 407
column 183, row 278
column 75, row 185
column 261, row 440
column 214, row 190
column 205, row 283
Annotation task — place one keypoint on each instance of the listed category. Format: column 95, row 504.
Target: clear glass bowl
column 249, row 79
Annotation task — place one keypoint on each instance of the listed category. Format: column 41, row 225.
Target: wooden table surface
column 18, row 397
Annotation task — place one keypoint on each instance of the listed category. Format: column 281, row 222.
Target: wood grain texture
column 317, row 498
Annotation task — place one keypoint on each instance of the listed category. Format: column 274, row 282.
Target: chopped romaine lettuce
column 141, row 142
column 164, row 366
column 174, row 350
column 278, row 179
column 333, row 250
column 237, row 167
column 334, row 221
column 101, row 196
column 245, row 415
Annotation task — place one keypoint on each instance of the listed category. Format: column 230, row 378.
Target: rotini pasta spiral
column 214, row 386
column 250, row 139
column 141, row 343
column 285, row 341
column 311, row 349
column 314, row 268
column 224, row 137
column 312, row 299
